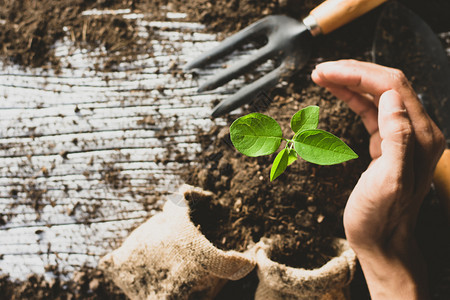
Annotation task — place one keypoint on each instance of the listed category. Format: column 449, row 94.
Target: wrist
column 394, row 272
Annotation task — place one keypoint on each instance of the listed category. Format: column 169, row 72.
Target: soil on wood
column 87, row 283
column 29, row 29
column 300, row 210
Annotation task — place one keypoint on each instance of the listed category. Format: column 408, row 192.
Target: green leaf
column 306, row 118
column 279, row 164
column 322, row 148
column 293, row 156
column 256, row 134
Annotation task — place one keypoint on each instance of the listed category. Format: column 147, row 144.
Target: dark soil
column 300, row 210
column 31, row 28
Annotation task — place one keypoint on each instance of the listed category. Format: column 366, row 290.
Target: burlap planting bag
column 278, row 281
column 167, row 257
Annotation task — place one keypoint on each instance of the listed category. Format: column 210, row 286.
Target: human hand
column 405, row 145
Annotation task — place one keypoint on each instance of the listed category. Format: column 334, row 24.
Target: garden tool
column 404, row 41
column 288, row 43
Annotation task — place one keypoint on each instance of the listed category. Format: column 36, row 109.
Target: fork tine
column 228, row 45
column 248, row 92
column 236, row 69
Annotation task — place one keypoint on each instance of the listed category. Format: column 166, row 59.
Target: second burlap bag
column 167, row 257
column 280, row 282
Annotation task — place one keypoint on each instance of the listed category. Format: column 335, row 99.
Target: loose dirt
column 300, row 210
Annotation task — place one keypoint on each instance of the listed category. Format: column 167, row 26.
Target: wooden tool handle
column 441, row 181
column 332, row 14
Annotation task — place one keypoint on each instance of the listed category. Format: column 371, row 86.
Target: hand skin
column 405, row 145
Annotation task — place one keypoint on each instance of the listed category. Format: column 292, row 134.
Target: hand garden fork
column 288, row 40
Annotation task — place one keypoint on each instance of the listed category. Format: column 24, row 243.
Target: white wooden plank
column 76, row 215
column 69, row 246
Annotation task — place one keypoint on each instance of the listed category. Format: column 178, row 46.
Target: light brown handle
column 441, row 180
column 332, row 14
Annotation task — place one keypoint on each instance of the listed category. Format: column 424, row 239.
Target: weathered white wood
column 61, row 133
column 30, row 249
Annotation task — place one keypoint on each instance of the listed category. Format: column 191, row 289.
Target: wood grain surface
column 87, row 154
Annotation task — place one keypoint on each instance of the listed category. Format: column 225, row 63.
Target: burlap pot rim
column 167, row 257
column 336, row 273
column 227, row 264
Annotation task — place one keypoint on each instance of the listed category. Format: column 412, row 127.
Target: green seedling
column 256, row 134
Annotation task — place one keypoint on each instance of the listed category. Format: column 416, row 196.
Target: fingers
column 351, row 80
column 396, row 132
column 340, row 84
column 365, row 77
column 383, row 196
column 360, row 104
column 375, row 145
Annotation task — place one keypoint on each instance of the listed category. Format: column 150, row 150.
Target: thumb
column 396, row 131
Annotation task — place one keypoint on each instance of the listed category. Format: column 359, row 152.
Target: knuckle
column 400, row 125
column 398, row 78
column 405, row 129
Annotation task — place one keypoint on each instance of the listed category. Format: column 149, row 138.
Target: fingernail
column 315, row 75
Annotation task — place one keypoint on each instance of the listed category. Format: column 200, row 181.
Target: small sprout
column 256, row 134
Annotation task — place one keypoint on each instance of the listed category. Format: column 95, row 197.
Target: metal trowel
column 404, row 41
